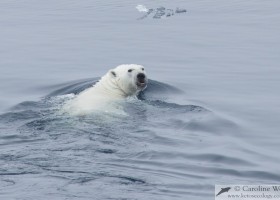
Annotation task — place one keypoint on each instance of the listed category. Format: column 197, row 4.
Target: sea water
column 210, row 114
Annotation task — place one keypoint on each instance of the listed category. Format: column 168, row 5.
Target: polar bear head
column 130, row 79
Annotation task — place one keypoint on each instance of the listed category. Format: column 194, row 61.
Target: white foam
column 142, row 8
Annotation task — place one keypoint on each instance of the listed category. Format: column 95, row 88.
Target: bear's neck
column 109, row 87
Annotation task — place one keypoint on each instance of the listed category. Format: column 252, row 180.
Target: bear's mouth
column 141, row 83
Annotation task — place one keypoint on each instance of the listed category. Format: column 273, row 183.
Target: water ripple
column 161, row 148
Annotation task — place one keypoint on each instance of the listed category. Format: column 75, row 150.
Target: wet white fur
column 114, row 86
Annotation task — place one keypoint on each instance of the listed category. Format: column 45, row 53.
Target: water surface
column 210, row 114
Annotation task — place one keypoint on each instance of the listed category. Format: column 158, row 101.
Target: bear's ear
column 113, row 73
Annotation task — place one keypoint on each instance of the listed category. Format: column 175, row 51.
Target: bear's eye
column 142, row 69
column 130, row 70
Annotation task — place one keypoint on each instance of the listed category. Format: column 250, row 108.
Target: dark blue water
column 210, row 114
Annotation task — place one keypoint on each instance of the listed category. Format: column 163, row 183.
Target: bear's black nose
column 141, row 76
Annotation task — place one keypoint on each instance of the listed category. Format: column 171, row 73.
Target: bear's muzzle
column 141, row 80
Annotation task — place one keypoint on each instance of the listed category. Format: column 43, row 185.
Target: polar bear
column 116, row 85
